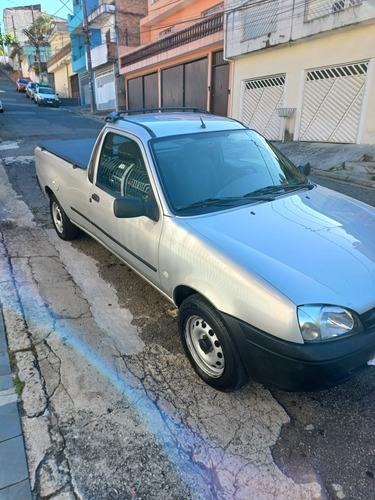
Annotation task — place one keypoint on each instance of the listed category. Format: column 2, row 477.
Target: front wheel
column 208, row 345
column 65, row 229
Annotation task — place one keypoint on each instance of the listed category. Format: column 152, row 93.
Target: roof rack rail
column 117, row 115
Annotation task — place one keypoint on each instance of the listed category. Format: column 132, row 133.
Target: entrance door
column 219, row 84
column 74, row 85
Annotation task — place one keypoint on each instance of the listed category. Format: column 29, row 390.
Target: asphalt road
column 107, row 423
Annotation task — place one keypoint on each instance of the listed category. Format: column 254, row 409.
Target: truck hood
column 314, row 247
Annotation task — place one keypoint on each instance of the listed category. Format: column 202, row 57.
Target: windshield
column 216, row 170
column 45, row 90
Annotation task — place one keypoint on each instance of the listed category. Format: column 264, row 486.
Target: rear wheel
column 209, row 346
column 65, row 229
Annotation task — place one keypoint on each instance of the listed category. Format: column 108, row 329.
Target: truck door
column 121, row 171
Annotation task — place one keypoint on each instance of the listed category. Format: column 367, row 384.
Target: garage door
column 185, row 84
column 332, row 103
column 261, row 99
column 143, row 91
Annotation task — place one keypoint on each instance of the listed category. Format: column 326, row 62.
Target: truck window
column 121, row 169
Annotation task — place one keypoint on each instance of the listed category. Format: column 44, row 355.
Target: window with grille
column 320, row 8
column 259, row 18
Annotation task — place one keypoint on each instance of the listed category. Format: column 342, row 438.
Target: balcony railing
column 200, row 30
column 65, row 51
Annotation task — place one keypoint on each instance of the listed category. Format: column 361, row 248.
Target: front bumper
column 301, row 367
column 50, row 102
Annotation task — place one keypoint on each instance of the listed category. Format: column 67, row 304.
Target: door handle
column 95, row 197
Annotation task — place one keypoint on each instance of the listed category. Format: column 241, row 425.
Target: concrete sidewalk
column 353, row 163
column 14, row 475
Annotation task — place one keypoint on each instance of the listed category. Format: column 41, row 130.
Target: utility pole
column 88, row 55
column 117, row 73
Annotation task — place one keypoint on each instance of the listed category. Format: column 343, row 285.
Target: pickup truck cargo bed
column 76, row 151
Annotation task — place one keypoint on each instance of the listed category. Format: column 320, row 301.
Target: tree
column 8, row 40
column 38, row 34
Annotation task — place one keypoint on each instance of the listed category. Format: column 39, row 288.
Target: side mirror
column 305, row 168
column 125, row 208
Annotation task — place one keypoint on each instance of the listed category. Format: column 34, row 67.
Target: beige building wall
column 60, row 62
column 296, row 58
column 58, row 41
column 62, row 80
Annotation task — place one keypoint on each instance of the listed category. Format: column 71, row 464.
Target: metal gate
column 332, row 103
column 261, row 99
column 143, row 92
column 185, row 84
column 105, row 90
column 84, row 89
column 219, row 84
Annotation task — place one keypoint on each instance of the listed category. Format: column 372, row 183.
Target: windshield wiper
column 227, row 201
column 278, row 189
column 211, row 202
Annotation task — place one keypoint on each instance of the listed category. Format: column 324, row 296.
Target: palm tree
column 38, row 34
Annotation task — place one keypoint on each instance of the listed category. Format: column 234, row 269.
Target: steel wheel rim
column 204, row 346
column 57, row 217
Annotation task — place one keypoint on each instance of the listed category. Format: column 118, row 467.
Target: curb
column 14, row 474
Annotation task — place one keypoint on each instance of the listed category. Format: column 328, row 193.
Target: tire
column 64, row 228
column 208, row 345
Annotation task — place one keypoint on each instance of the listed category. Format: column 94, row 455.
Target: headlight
column 321, row 322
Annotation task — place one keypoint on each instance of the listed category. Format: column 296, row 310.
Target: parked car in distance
column 45, row 96
column 30, row 89
column 1, row 106
column 21, row 84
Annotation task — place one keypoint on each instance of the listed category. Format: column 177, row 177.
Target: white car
column 274, row 276
column 45, row 96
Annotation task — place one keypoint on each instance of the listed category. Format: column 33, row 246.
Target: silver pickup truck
column 274, row 276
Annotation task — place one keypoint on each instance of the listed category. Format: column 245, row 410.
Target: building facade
column 107, row 24
column 303, row 70
column 180, row 61
column 59, row 64
column 15, row 20
column 79, row 34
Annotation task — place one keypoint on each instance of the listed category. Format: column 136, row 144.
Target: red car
column 21, row 84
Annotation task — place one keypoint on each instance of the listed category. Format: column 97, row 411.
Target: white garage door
column 261, row 99
column 332, row 103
